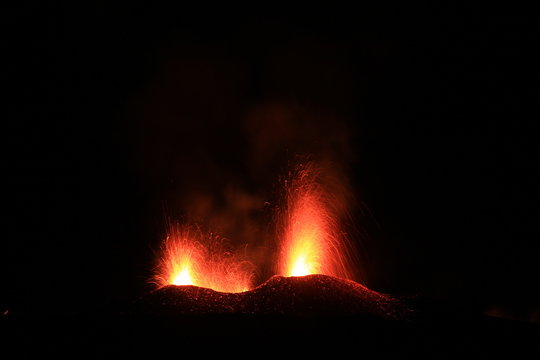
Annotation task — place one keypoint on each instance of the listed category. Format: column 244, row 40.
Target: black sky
column 113, row 113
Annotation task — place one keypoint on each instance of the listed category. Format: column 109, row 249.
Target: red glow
column 190, row 258
column 311, row 239
column 310, row 236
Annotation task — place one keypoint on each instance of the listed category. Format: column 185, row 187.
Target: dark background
column 113, row 114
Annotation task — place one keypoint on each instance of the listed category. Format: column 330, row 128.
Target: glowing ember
column 309, row 232
column 311, row 239
column 186, row 261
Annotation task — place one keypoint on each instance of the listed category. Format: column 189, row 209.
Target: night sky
column 115, row 118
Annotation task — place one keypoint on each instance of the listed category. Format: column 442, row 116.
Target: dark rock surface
column 302, row 317
column 312, row 295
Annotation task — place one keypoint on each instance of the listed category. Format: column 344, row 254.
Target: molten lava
column 310, row 236
column 311, row 239
column 190, row 258
column 183, row 277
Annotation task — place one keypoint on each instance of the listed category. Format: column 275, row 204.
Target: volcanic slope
column 311, row 295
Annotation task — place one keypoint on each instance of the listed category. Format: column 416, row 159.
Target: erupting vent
column 198, row 274
column 312, row 241
column 186, row 260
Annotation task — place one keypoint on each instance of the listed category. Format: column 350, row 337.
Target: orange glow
column 311, row 239
column 183, row 277
column 186, row 261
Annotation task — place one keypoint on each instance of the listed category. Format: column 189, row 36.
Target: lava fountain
column 191, row 258
column 311, row 239
column 314, row 267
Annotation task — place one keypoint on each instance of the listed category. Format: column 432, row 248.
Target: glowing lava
column 187, row 261
column 183, row 277
column 311, row 239
column 310, row 236
column 301, row 268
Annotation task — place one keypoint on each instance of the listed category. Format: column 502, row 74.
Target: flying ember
column 311, row 238
column 190, row 258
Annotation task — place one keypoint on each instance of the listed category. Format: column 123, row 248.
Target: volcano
column 310, row 295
